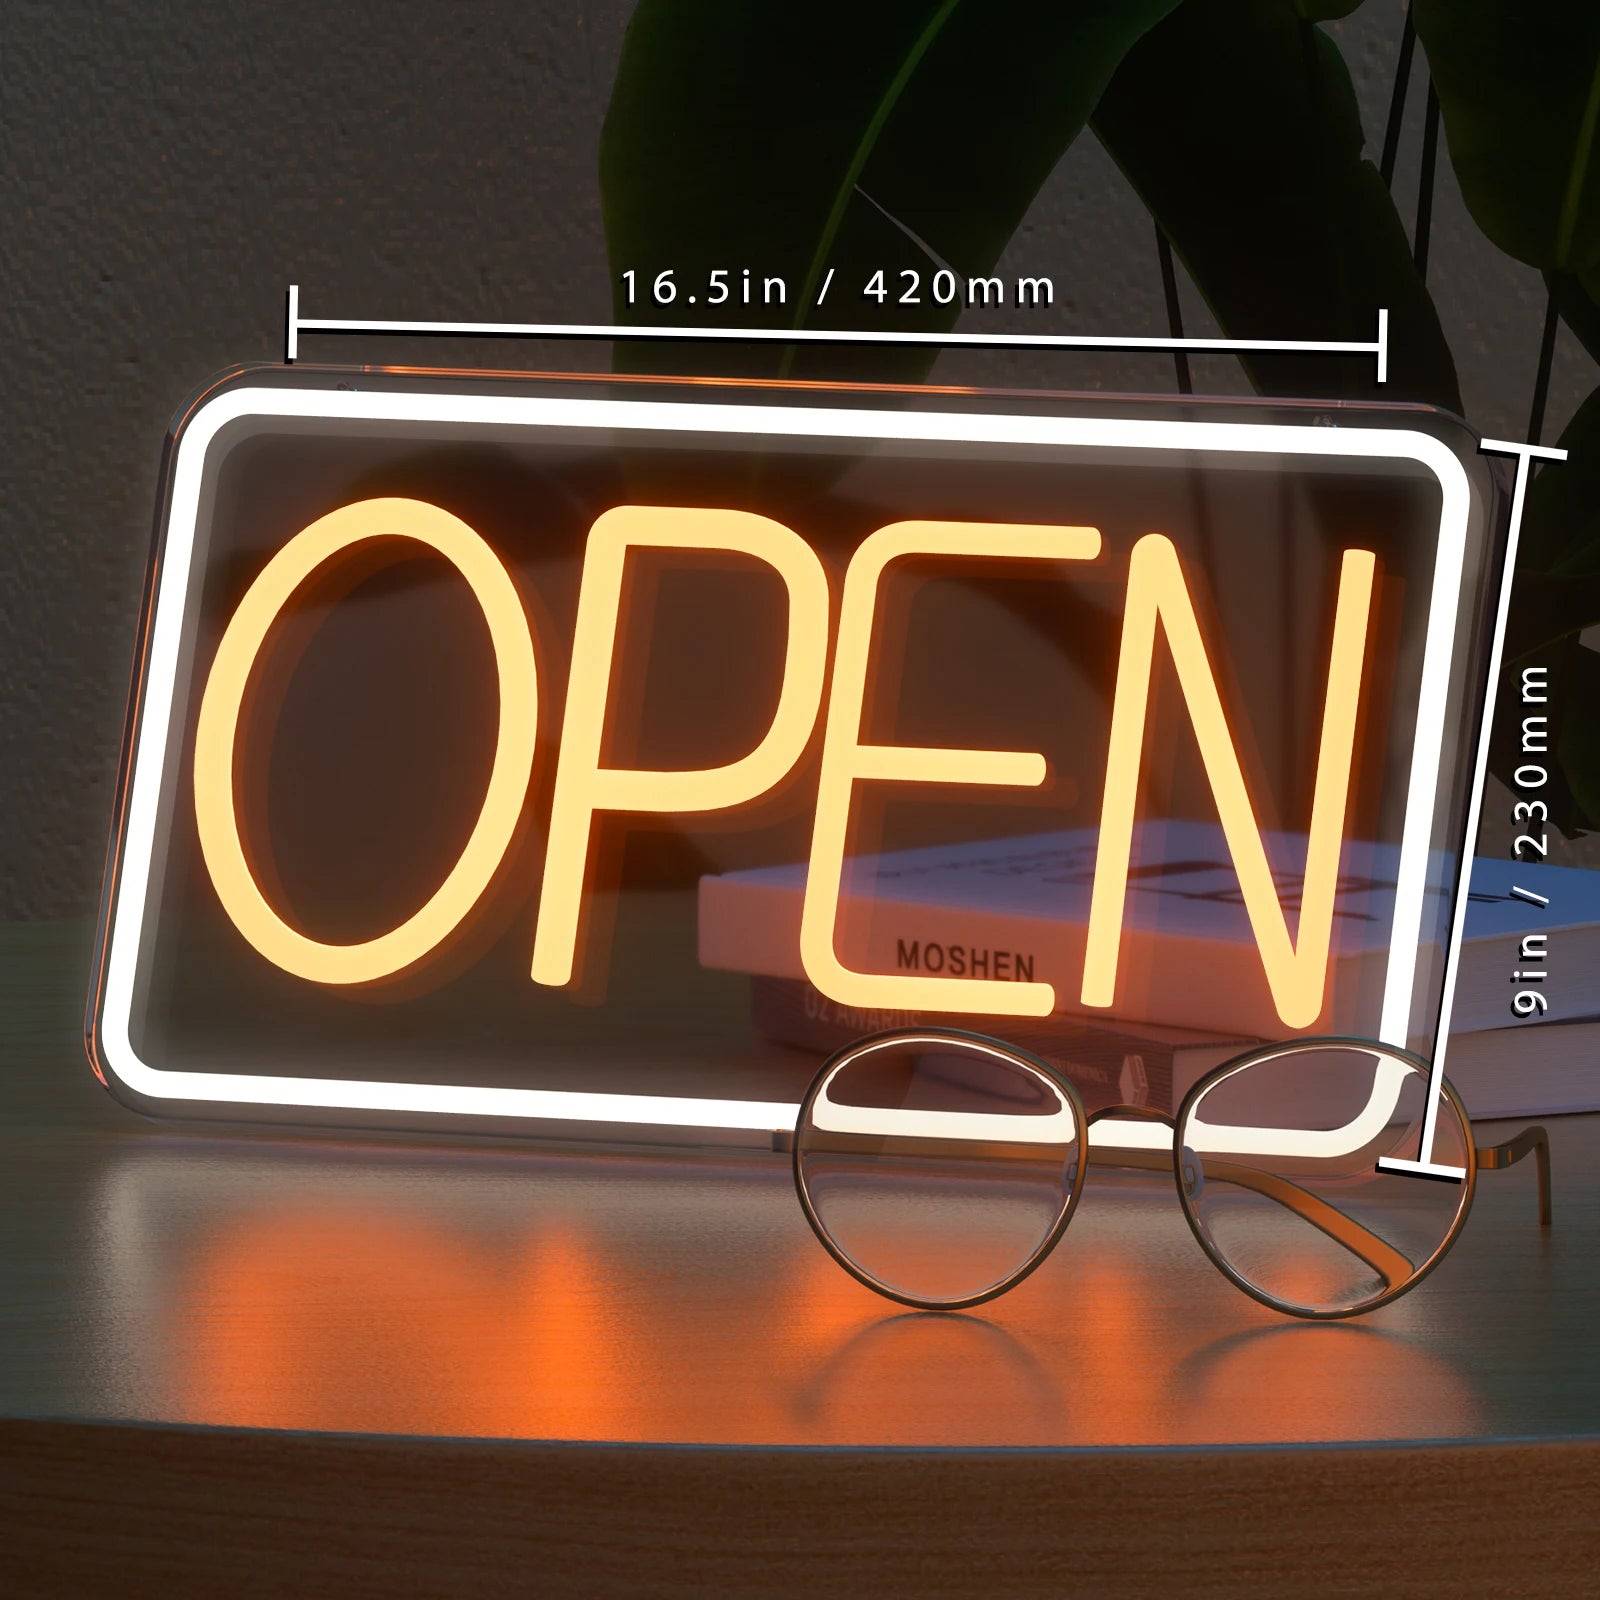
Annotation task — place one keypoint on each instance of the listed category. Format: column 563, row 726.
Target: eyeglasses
column 940, row 1168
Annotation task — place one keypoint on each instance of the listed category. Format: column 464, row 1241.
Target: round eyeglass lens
column 1278, row 1173
column 936, row 1168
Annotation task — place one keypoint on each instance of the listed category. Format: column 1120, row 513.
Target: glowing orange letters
column 583, row 786
column 1296, row 969
column 845, row 761
column 218, row 728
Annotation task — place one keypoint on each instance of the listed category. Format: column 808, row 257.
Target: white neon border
column 837, row 1116
column 126, row 928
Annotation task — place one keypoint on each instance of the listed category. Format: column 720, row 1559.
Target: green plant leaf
column 1519, row 87
column 1520, row 94
column 1578, row 301
column 1557, row 597
column 1237, row 122
column 1326, row 10
column 797, row 140
column 1561, row 527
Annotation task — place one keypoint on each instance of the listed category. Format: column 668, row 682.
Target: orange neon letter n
column 1296, row 969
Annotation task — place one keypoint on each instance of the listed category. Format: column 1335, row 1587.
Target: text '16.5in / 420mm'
column 906, row 286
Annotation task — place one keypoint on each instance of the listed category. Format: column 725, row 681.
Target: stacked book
column 1018, row 908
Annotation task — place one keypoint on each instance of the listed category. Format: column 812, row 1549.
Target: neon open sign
column 495, row 742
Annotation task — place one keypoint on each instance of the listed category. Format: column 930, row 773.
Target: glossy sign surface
column 596, row 756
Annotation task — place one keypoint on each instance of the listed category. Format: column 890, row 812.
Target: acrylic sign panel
column 594, row 756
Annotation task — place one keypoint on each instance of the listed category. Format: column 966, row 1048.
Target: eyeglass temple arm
column 1493, row 1157
column 1381, row 1257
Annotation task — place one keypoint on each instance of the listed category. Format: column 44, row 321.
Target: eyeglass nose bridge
column 1132, row 1113
column 1190, row 1171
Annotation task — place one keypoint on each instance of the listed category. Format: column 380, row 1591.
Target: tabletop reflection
column 290, row 1284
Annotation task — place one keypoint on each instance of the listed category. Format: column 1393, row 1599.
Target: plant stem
column 858, row 161
column 1572, row 202
column 1541, row 382
column 1397, row 102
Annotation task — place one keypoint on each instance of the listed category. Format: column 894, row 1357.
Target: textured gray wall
column 170, row 168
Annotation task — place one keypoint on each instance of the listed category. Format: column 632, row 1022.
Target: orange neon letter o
column 217, row 730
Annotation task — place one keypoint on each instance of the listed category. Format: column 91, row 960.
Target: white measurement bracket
column 295, row 325
column 1425, row 1166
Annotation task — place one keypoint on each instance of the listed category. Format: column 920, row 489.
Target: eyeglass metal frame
column 1533, row 1139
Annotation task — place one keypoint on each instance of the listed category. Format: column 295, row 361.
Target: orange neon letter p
column 1296, row 969
column 583, row 786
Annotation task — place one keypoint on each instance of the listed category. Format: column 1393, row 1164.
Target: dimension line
column 295, row 325
column 1425, row 1166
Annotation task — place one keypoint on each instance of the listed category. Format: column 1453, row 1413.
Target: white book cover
column 1536, row 1069
column 1018, row 909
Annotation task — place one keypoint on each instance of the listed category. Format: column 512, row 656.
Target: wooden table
column 249, row 1362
